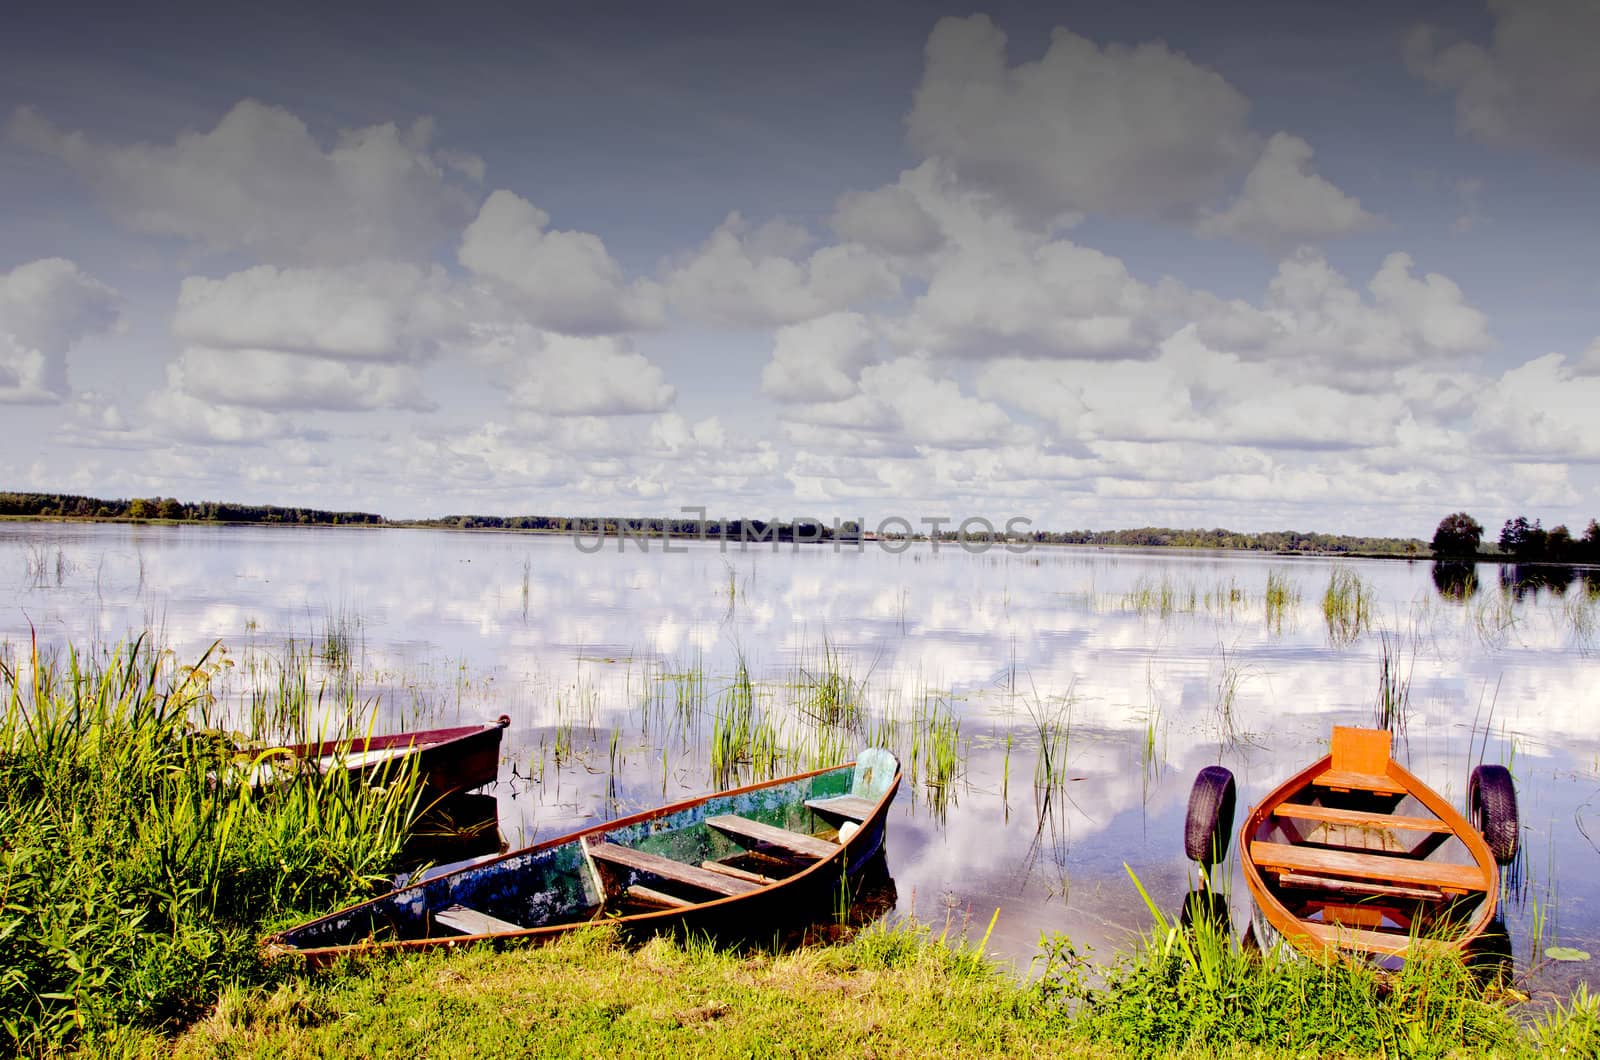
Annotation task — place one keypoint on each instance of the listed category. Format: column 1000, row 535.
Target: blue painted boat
column 741, row 861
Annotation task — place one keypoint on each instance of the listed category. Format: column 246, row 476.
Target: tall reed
column 136, row 865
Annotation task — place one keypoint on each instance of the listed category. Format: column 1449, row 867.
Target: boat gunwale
column 417, row 739
column 1289, row 926
column 275, row 946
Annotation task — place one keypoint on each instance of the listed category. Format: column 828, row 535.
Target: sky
column 1261, row 266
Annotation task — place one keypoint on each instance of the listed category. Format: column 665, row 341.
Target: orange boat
column 1355, row 854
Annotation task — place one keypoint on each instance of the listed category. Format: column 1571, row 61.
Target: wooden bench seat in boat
column 849, row 807
column 649, row 895
column 791, row 842
column 1359, row 761
column 1347, row 937
column 1358, row 818
column 1283, row 856
column 1361, row 887
column 471, row 922
column 667, row 869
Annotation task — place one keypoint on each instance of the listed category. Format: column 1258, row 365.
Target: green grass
column 134, row 883
column 889, row 991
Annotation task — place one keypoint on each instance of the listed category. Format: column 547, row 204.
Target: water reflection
column 1455, row 581
column 617, row 672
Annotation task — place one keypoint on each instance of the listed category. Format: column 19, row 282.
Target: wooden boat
column 739, row 861
column 448, row 760
column 1355, row 854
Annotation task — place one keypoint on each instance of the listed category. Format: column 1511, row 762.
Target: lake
column 1061, row 699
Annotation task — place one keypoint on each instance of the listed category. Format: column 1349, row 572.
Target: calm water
column 586, row 653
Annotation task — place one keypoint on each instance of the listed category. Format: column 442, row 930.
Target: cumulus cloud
column 268, row 379
column 1314, row 319
column 261, row 182
column 176, row 413
column 563, row 281
column 1139, row 130
column 564, row 375
column 376, row 311
column 1036, row 297
column 46, row 308
column 1284, row 202
column 1535, row 85
column 1543, row 409
column 906, row 398
column 761, row 278
column 819, row 360
column 889, row 219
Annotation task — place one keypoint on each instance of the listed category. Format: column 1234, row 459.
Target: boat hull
column 543, row 891
column 1365, row 861
column 448, row 761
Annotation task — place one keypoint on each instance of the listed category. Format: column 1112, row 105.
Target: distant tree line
column 1459, row 535
column 66, row 505
column 618, row 526
column 1270, row 541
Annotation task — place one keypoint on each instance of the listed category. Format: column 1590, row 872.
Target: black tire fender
column 1210, row 818
column 1492, row 809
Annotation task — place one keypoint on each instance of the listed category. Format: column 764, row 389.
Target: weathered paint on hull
column 549, row 889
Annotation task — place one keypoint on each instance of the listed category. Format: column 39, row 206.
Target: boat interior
column 728, row 845
column 1360, row 861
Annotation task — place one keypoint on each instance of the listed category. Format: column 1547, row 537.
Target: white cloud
column 268, row 379
column 1139, row 130
column 46, row 308
column 1537, row 83
column 378, row 311
column 1037, row 298
column 905, row 398
column 759, row 279
column 1284, row 202
column 563, row 281
column 175, row 413
column 1542, row 409
column 564, row 375
column 1313, row 319
column 260, row 182
column 889, row 219
column 819, row 360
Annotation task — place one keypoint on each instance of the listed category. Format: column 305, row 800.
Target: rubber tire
column 1492, row 808
column 1209, row 821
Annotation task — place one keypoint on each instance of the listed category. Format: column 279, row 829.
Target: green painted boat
column 743, row 862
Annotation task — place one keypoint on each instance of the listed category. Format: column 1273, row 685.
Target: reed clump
column 1347, row 605
column 136, row 868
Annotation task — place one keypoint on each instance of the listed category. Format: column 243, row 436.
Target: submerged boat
column 1356, row 855
column 740, row 861
column 448, row 761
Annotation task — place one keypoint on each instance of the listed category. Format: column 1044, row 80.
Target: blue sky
column 1250, row 265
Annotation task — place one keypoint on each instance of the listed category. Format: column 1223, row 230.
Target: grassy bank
column 888, row 992
column 134, row 877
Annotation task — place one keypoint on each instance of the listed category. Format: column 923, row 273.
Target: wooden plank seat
column 650, row 896
column 848, row 807
column 1347, row 937
column 1359, row 818
column 1350, row 780
column 737, row 873
column 471, row 922
column 1361, row 887
column 808, row 846
column 667, row 869
column 1316, row 860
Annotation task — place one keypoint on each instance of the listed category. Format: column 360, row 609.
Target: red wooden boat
column 1355, row 854
column 448, row 760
